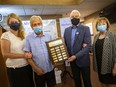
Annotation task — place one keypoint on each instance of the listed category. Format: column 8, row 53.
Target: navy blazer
column 82, row 36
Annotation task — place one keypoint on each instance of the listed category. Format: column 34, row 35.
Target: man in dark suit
column 78, row 41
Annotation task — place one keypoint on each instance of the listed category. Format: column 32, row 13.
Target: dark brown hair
column 102, row 18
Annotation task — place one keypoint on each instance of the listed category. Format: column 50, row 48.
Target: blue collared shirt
column 73, row 32
column 37, row 45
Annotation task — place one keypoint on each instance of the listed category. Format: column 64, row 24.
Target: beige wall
column 92, row 19
column 113, row 27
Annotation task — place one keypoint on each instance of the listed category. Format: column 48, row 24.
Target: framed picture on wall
column 91, row 28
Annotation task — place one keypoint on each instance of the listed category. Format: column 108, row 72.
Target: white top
column 16, row 46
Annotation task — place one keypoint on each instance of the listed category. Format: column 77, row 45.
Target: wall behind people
column 43, row 17
column 92, row 18
column 113, row 27
column 89, row 19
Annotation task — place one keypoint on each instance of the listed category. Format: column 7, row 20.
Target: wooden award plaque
column 57, row 50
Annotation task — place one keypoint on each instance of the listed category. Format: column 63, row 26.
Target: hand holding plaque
column 57, row 50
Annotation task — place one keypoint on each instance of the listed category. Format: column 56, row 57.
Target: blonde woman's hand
column 27, row 55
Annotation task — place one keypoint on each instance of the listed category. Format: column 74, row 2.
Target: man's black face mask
column 75, row 21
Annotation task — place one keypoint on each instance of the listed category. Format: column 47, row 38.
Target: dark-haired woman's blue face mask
column 102, row 26
column 15, row 26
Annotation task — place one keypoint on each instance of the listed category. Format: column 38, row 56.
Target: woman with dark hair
column 104, row 53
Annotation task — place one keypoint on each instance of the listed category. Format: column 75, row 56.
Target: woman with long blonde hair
column 12, row 43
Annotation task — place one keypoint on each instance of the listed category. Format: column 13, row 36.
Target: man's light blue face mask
column 38, row 29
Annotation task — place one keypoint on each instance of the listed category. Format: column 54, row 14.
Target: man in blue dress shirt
column 78, row 41
column 40, row 61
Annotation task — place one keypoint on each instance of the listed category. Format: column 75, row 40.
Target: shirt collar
column 35, row 35
column 75, row 27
